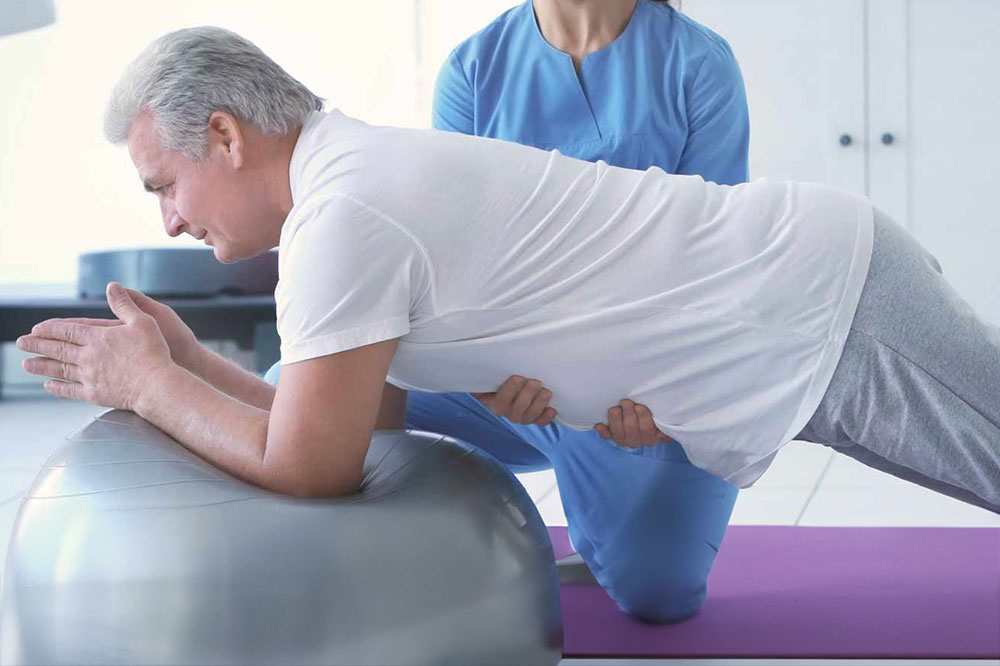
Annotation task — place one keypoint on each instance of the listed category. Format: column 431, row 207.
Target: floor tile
column 31, row 427
column 797, row 465
column 769, row 506
column 852, row 493
column 897, row 503
column 550, row 508
column 537, row 483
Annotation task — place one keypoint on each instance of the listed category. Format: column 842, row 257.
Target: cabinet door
column 803, row 63
column 939, row 176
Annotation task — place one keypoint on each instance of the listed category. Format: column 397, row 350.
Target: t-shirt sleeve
column 453, row 99
column 349, row 277
column 718, row 142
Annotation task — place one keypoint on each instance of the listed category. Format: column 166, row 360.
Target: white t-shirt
column 723, row 309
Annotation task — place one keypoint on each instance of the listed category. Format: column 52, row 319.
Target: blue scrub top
column 666, row 92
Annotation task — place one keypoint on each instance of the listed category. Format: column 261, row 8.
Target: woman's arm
column 718, row 141
column 453, row 99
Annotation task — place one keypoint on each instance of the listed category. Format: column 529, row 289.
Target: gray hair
column 185, row 75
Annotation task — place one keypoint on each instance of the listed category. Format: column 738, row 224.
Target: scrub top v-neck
column 666, row 92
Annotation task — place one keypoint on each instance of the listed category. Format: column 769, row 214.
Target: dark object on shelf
column 176, row 273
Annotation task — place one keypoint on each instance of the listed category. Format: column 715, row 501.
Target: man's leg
column 917, row 390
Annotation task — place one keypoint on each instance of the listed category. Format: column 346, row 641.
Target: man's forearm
column 228, row 433
column 234, row 381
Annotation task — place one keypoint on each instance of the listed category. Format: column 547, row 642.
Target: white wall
column 65, row 190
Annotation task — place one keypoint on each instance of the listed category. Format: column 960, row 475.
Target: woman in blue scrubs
column 658, row 90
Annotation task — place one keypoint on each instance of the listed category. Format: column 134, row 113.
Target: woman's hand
column 631, row 425
column 107, row 364
column 520, row 400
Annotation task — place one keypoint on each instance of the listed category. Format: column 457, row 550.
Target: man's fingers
column 57, row 349
column 60, row 329
column 143, row 301
column 94, row 322
column 538, row 406
column 48, row 367
column 68, row 390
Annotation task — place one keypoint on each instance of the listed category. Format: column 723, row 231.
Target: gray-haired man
column 742, row 317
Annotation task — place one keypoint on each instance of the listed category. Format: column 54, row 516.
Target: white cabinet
column 895, row 99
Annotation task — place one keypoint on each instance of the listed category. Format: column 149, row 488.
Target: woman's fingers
column 522, row 407
column 503, row 397
column 539, row 403
column 521, row 400
column 647, row 429
column 631, row 425
column 546, row 417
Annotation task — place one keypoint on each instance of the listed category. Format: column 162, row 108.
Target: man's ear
column 224, row 133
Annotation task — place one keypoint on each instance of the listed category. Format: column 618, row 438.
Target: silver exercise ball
column 130, row 549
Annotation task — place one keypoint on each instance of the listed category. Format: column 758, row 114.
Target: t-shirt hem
column 832, row 350
column 332, row 343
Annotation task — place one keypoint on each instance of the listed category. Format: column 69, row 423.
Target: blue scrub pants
column 646, row 521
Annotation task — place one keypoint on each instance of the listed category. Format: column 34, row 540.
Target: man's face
column 208, row 200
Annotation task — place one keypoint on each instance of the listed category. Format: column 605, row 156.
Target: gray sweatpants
column 917, row 390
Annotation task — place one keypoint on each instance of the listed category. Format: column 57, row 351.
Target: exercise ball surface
column 130, row 549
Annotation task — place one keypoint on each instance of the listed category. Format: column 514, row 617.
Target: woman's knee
column 663, row 601
column 272, row 374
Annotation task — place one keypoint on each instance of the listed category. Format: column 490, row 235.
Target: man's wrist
column 198, row 365
column 156, row 386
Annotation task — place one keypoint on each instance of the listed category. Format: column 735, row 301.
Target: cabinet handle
column 846, row 139
column 888, row 139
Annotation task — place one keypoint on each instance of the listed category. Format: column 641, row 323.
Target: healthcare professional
column 636, row 84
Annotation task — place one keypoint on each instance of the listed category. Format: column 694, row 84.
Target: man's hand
column 185, row 349
column 109, row 364
column 520, row 400
column 631, row 425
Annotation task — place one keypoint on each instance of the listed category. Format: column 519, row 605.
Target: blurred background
column 898, row 100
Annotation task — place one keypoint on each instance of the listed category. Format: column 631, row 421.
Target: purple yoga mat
column 816, row 592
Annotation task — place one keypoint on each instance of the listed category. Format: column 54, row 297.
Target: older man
column 743, row 317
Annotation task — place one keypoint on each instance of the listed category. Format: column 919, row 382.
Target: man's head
column 210, row 123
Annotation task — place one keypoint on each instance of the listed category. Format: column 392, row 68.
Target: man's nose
column 172, row 222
